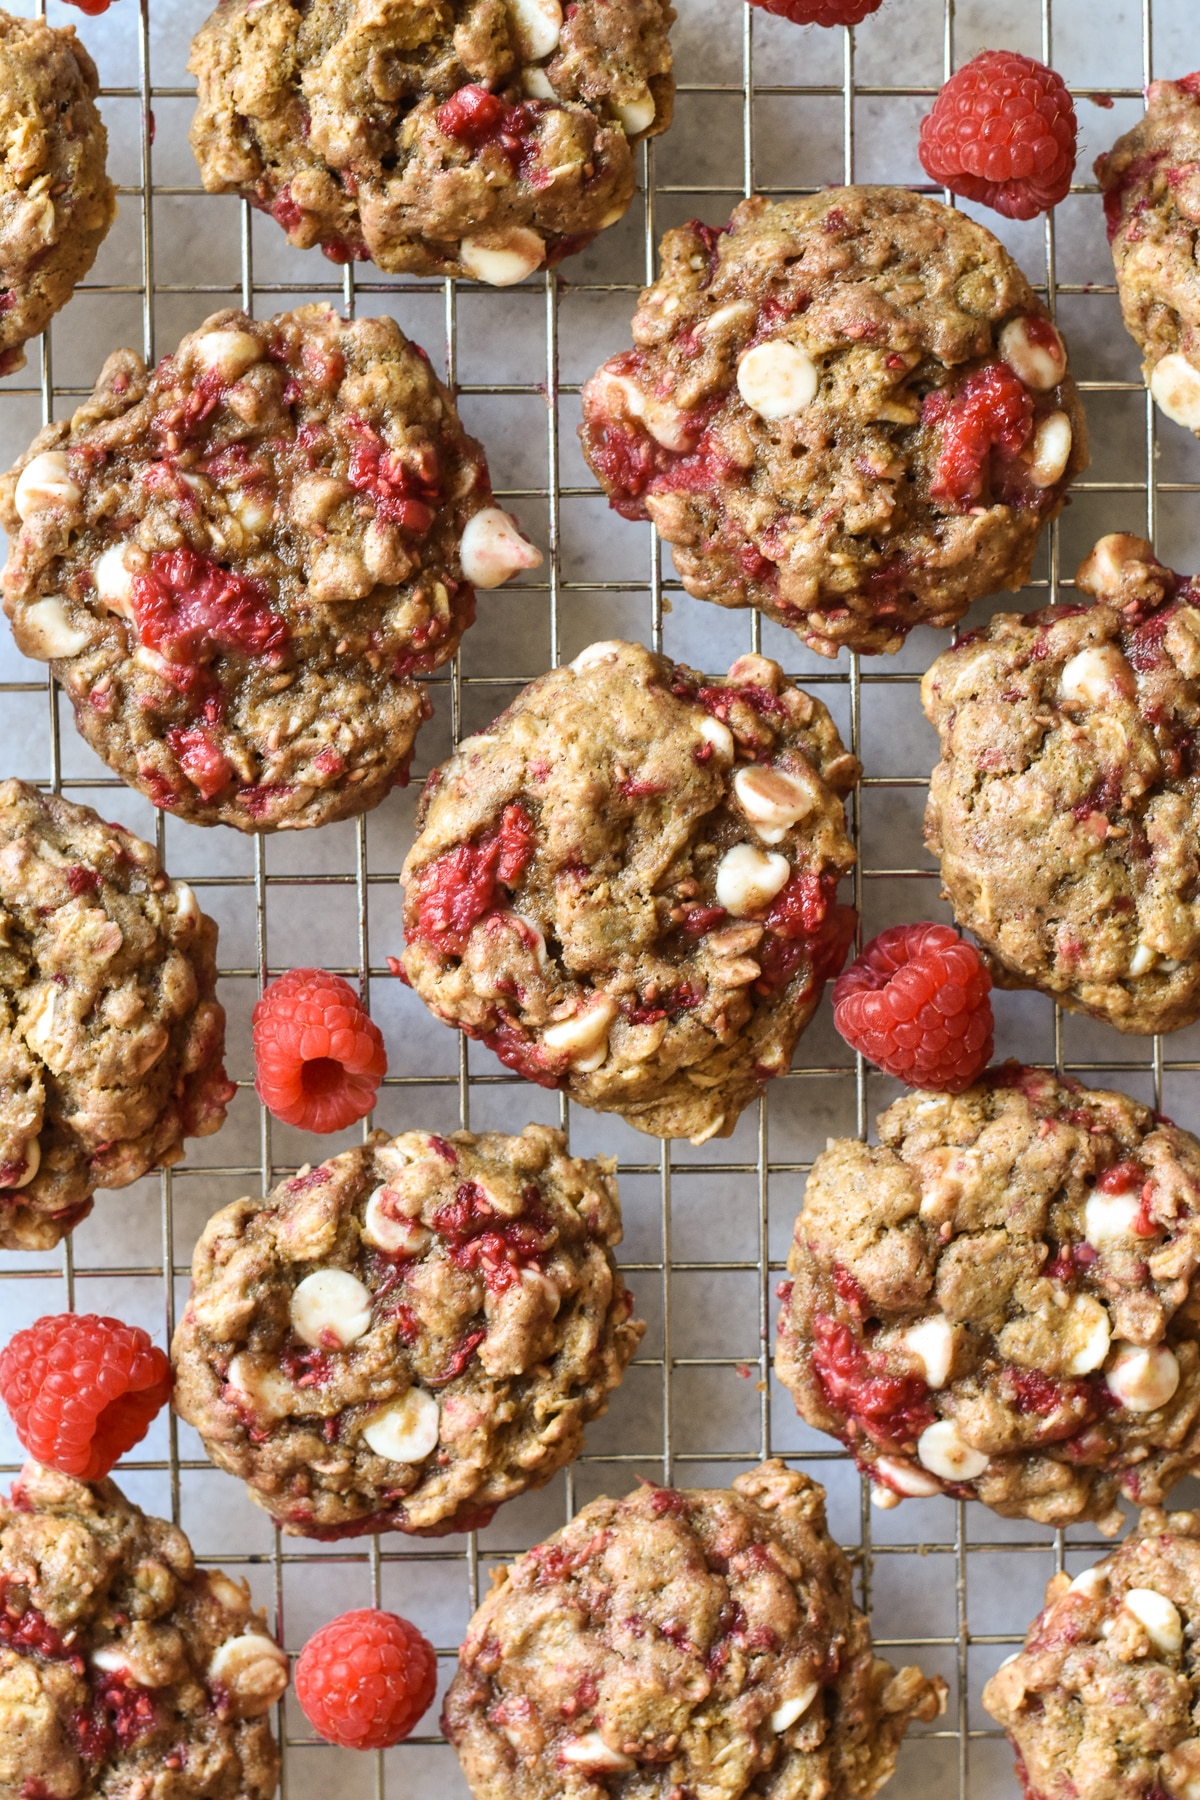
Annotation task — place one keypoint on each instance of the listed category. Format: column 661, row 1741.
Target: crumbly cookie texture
column 238, row 562
column 409, row 1334
column 627, row 885
column 56, row 201
column 680, row 1642
column 1063, row 808
column 1151, row 185
column 125, row 1669
column 467, row 137
column 111, row 1036
column 994, row 1301
column 849, row 411
column 1100, row 1703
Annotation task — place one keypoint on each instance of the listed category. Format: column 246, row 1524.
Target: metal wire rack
column 762, row 107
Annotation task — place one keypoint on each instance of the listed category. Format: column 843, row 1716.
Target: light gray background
column 706, row 1230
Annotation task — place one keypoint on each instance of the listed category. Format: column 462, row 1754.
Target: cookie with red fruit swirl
column 994, row 1301
column 849, row 411
column 239, row 562
column 408, row 1334
column 627, row 885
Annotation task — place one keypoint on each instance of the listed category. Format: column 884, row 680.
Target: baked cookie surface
column 1063, row 810
column 409, row 1334
column 994, row 1301
column 701, row 1641
column 56, row 201
column 1150, row 180
column 111, row 1036
column 627, row 885
column 125, row 1669
column 469, row 137
column 237, row 563
column 1101, row 1700
column 850, row 411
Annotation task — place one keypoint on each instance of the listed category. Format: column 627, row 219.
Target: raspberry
column 365, row 1679
column 916, row 1003
column 1002, row 132
column 319, row 1056
column 82, row 1390
column 821, row 12
column 93, row 8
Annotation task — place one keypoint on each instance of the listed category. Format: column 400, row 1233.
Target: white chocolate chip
column 114, row 579
column 749, row 879
column 1158, row 1616
column 408, row 1430
column 1179, row 1770
column 385, row 1226
column 227, row 353
column 186, row 904
column 906, row 1477
column 773, row 799
column 636, row 115
column 111, row 1660
column 1108, row 1218
column 591, row 1752
column 267, row 1389
column 1086, row 1336
column 777, row 379
column 931, row 1341
column 943, row 1452
column 502, row 258
column 31, row 1155
column 718, row 735
column 1142, row 1377
column 607, row 650
column 1175, row 387
column 536, row 85
column 252, row 508
column 667, row 424
column 493, row 548
column 44, row 631
column 583, row 1039
column 788, row 1711
column 1142, row 960
column 252, row 1670
column 1096, row 677
column 884, row 1498
column 1041, row 366
column 1051, row 450
column 45, row 481
column 537, row 26
column 1093, row 1582
column 331, row 1309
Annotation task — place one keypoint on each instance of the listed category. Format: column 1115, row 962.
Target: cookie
column 408, row 1334
column 56, row 201
column 111, row 1036
column 701, row 1641
column 994, row 1301
column 472, row 138
column 1150, row 180
column 627, row 886
column 1063, row 810
column 849, row 411
column 238, row 563
column 1101, row 1700
column 125, row 1669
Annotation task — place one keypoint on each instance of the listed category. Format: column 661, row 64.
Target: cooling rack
column 762, row 107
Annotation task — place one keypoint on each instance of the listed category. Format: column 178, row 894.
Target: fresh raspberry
column 365, row 1679
column 916, row 1003
column 93, row 8
column 319, row 1056
column 1002, row 132
column 82, row 1390
column 821, row 12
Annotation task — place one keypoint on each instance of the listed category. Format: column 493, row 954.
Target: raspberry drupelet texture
column 916, row 1003
column 82, row 1390
column 1002, row 132
column 365, row 1679
column 319, row 1057
column 808, row 12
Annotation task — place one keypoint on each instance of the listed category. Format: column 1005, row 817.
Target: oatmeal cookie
column 1064, row 808
column 699, row 1641
column 408, row 1334
column 1151, row 185
column 627, row 886
column 1100, row 1704
column 995, row 1301
column 849, row 411
column 111, row 1036
column 56, row 201
column 125, row 1669
column 468, row 137
column 238, row 562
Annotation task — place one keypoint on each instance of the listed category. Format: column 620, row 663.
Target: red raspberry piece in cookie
column 821, row 12
column 365, row 1679
column 916, row 1003
column 82, row 1390
column 318, row 1054
column 1002, row 132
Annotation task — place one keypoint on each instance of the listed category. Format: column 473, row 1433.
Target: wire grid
column 950, row 1531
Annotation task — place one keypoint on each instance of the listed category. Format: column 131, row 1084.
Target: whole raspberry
column 365, row 1679
column 916, row 1003
column 93, row 8
column 318, row 1054
column 821, row 12
column 82, row 1390
column 1002, row 132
